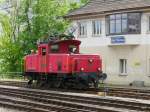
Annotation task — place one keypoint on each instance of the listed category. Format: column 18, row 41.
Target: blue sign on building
column 118, row 40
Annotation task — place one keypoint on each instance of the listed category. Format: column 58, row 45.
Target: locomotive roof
column 75, row 42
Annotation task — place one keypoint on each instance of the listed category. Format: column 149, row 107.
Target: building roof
column 105, row 6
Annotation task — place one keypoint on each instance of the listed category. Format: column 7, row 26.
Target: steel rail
column 51, row 97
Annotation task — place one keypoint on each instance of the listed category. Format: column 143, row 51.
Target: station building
column 119, row 31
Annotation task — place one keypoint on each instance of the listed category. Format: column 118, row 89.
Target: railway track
column 110, row 91
column 45, row 101
column 129, row 93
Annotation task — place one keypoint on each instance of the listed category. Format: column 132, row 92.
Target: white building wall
column 136, row 50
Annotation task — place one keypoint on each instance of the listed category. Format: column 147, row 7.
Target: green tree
column 29, row 21
column 9, row 55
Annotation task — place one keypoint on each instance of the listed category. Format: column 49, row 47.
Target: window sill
column 123, row 74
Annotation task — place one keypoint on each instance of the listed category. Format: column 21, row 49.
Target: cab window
column 43, row 51
column 72, row 48
column 54, row 48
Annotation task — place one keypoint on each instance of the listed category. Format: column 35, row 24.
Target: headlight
column 90, row 60
column 99, row 69
column 82, row 69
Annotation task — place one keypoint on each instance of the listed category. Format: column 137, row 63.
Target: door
column 43, row 60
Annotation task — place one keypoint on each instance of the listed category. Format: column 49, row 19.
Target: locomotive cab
column 65, row 46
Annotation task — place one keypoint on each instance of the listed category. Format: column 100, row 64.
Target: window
column 117, row 23
column 149, row 23
column 82, row 29
column 54, row 48
column 123, row 66
column 126, row 23
column 149, row 67
column 96, row 26
column 43, row 51
column 72, row 49
column 134, row 20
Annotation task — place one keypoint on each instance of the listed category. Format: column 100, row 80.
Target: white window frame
column 123, row 66
column 82, row 29
column 96, row 27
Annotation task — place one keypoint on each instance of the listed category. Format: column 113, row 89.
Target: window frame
column 94, row 27
column 122, row 33
column 84, row 23
column 149, row 23
column 123, row 66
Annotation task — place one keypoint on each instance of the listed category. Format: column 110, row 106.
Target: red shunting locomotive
column 59, row 64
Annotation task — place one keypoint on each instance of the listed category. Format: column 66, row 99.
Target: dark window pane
column 134, row 22
column 149, row 23
column 124, row 26
column 124, row 16
column 82, row 28
column 112, row 17
column 118, row 16
column 96, row 27
column 54, row 48
column 124, row 23
column 123, row 66
column 112, row 26
column 43, row 51
column 118, row 26
column 107, row 25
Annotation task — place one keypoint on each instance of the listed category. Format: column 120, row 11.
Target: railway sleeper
column 105, row 103
column 77, row 97
column 42, row 106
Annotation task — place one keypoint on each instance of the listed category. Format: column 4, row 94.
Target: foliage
column 28, row 22
column 9, row 54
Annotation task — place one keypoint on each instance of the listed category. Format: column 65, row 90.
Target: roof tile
column 102, row 6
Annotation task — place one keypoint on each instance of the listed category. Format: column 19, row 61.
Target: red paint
column 61, row 61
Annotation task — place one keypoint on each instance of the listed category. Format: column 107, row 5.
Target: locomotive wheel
column 57, row 84
column 38, row 83
column 82, row 87
column 81, row 84
column 63, row 84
